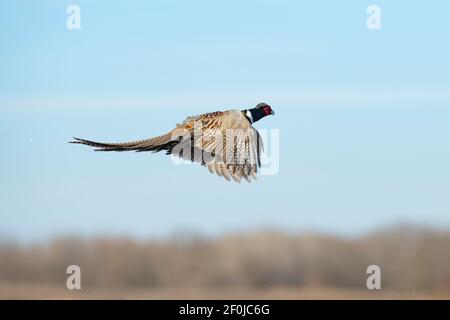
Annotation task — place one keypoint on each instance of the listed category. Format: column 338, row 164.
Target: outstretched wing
column 225, row 142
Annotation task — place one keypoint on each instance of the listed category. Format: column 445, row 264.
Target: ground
column 26, row 291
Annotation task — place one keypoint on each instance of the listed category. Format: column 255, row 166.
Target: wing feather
column 231, row 143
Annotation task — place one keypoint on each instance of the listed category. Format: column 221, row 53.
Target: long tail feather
column 151, row 144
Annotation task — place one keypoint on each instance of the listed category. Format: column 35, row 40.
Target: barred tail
column 152, row 144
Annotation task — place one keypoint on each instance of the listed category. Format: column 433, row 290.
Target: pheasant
column 224, row 141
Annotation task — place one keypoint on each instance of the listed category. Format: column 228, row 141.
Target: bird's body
column 224, row 141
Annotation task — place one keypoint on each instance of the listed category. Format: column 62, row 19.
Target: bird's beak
column 272, row 112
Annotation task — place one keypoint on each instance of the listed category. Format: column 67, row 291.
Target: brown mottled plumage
column 224, row 141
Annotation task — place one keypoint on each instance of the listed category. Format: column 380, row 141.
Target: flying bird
column 224, row 141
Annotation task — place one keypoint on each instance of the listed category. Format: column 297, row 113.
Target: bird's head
column 267, row 110
column 260, row 111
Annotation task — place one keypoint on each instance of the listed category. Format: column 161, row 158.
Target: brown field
column 415, row 264
column 18, row 291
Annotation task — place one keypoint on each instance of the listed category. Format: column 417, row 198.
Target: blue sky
column 363, row 115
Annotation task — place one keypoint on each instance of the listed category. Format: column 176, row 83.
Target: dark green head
column 260, row 111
